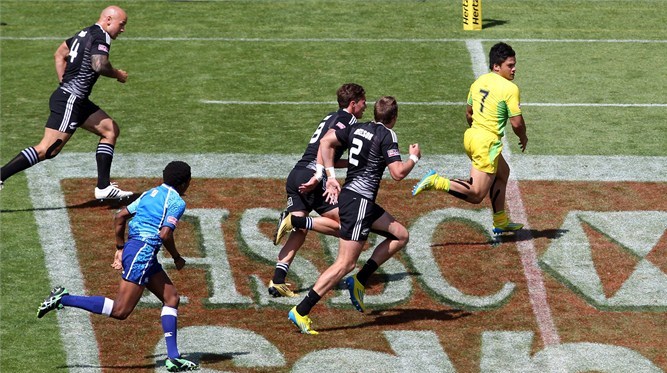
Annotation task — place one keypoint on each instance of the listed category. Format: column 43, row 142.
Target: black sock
column 25, row 159
column 104, row 156
column 308, row 303
column 280, row 273
column 366, row 271
column 302, row 222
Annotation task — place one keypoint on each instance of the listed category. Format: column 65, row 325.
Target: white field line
column 534, row 278
column 348, row 40
column 429, row 103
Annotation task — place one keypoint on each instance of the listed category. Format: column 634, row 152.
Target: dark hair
column 386, row 109
column 499, row 53
column 349, row 92
column 176, row 173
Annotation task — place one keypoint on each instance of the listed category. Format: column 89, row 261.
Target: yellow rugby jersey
column 494, row 99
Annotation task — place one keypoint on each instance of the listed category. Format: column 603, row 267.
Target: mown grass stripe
column 348, row 40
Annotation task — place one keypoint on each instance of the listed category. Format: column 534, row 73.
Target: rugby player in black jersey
column 79, row 61
column 372, row 147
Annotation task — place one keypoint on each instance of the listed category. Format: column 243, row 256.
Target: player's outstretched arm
column 101, row 64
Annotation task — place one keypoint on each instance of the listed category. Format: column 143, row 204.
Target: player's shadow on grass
column 119, row 367
column 490, row 22
column 109, row 204
column 206, row 358
column 377, row 279
column 531, row 234
column 521, row 235
column 400, row 316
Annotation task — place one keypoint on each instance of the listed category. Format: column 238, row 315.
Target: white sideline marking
column 534, row 281
column 431, row 103
column 348, row 40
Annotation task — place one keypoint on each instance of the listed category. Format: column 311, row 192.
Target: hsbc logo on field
column 570, row 259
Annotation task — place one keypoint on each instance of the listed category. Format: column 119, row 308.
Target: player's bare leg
column 107, row 129
column 278, row 287
column 387, row 248
column 497, row 195
column 346, row 261
column 126, row 300
column 397, row 239
column 326, row 224
column 474, row 189
column 51, row 144
column 498, row 188
column 161, row 286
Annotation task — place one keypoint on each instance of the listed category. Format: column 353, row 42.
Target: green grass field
column 255, row 77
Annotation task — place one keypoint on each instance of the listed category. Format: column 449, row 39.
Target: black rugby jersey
column 371, row 147
column 79, row 76
column 337, row 120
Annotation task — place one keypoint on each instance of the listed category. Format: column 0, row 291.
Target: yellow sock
column 441, row 183
column 500, row 218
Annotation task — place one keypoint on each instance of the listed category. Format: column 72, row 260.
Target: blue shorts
column 140, row 262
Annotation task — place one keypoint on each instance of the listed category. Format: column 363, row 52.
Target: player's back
column 371, row 146
column 79, row 76
column 151, row 211
column 337, row 120
column 494, row 100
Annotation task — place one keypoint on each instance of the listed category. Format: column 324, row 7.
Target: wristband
column 120, row 247
column 319, row 170
column 331, row 173
column 414, row 158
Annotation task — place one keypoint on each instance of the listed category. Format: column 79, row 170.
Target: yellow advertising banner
column 472, row 14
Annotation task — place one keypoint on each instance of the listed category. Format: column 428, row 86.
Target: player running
column 79, row 61
column 154, row 218
column 493, row 99
column 372, row 148
column 305, row 186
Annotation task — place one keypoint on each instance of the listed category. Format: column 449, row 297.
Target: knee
column 48, row 151
column 349, row 267
column 403, row 237
column 110, row 131
column 172, row 300
column 476, row 198
column 115, row 130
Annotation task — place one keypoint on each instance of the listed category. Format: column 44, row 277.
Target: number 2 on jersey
column 355, row 149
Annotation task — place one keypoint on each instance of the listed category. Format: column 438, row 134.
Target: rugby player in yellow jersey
column 493, row 100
